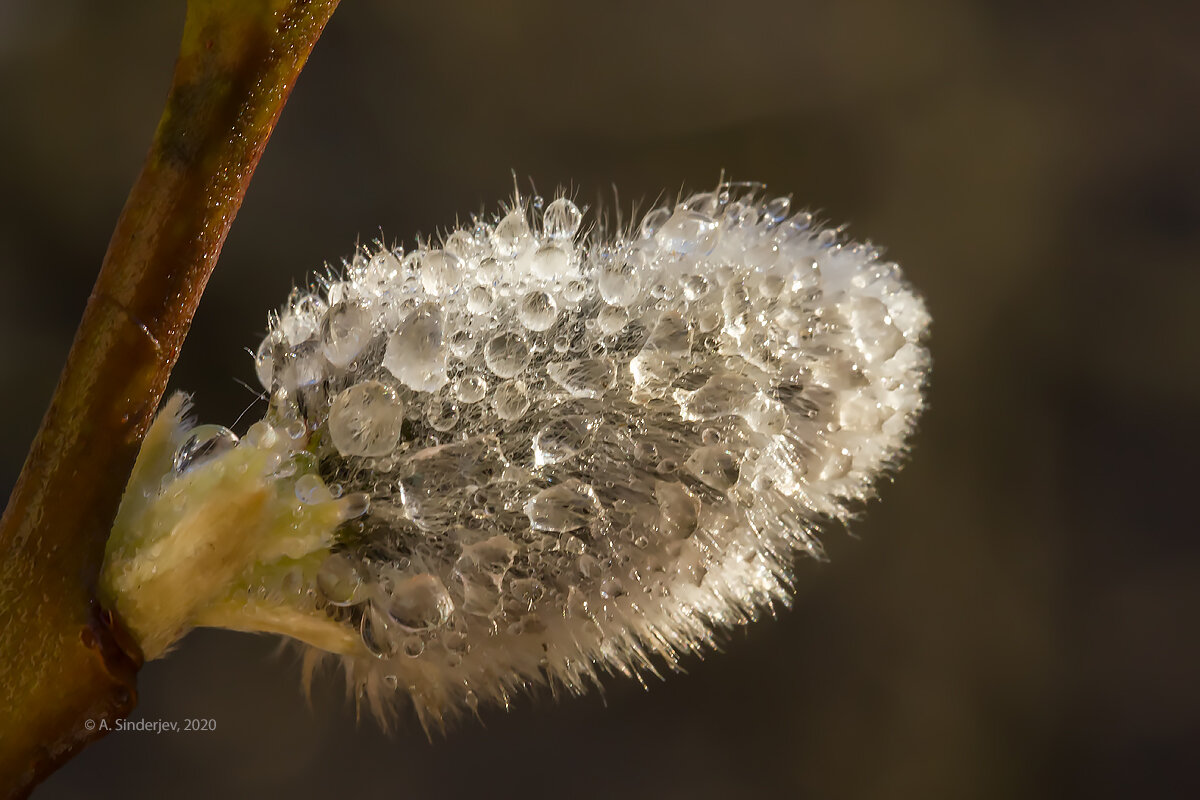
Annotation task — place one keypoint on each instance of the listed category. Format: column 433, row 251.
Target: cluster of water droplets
column 582, row 452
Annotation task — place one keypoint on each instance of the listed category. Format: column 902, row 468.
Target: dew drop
column 567, row 507
column 511, row 400
column 354, row 504
column 560, row 439
column 415, row 354
column 688, row 232
column 480, row 300
column 550, row 262
column 420, row 602
column 714, row 467
column 612, row 588
column 204, row 443
column 537, row 311
column 376, row 634
column 574, row 291
column 611, row 319
column 462, row 343
column 695, row 287
column 470, row 388
column 269, row 358
column 653, row 221
column 342, row 581
column 344, row 330
column 440, row 272
column 506, row 354
column 310, row 489
column 619, row 284
column 365, row 420
column 511, row 234
column 777, row 210
column 678, row 510
column 562, row 219
column 442, row 415
column 588, row 378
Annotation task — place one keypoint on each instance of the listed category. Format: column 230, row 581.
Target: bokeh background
column 1016, row 618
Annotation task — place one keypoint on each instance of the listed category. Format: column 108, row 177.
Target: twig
column 66, row 661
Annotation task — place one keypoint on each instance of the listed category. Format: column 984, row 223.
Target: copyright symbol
column 90, row 724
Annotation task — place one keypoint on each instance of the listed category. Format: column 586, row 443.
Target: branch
column 67, row 660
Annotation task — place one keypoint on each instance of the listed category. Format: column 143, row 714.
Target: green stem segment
column 67, row 660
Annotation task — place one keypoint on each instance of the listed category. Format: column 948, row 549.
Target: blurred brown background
column 1016, row 618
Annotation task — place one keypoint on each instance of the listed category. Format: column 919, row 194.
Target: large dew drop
column 561, row 439
column 344, row 331
column 566, row 507
column 587, row 378
column 415, row 353
column 506, row 355
column 537, row 311
column 511, row 235
column 420, row 602
column 440, row 272
column 562, row 219
column 365, row 420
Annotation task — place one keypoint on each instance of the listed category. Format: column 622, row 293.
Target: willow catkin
column 534, row 452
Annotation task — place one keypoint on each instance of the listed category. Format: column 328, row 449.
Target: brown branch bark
column 67, row 662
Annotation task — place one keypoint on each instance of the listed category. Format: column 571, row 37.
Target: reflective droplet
column 777, row 210
column 688, row 231
column 589, row 377
column 420, row 602
column 511, row 234
column 204, row 443
column 537, row 311
column 653, row 221
column 311, row 489
column 567, row 507
column 574, row 291
column 440, row 272
column 470, row 388
column 619, row 284
column 354, row 504
column 298, row 328
column 415, row 354
column 341, row 581
column 611, row 319
column 560, row 439
column 345, row 329
column 442, row 415
column 462, row 343
column 506, row 355
column 510, row 400
column 365, row 420
column 736, row 305
column 550, row 262
column 480, row 300
column 713, row 466
column 376, row 634
column 269, row 358
column 562, row 219
column 612, row 588
column 678, row 510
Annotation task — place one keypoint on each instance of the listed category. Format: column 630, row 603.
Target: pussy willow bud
column 531, row 452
